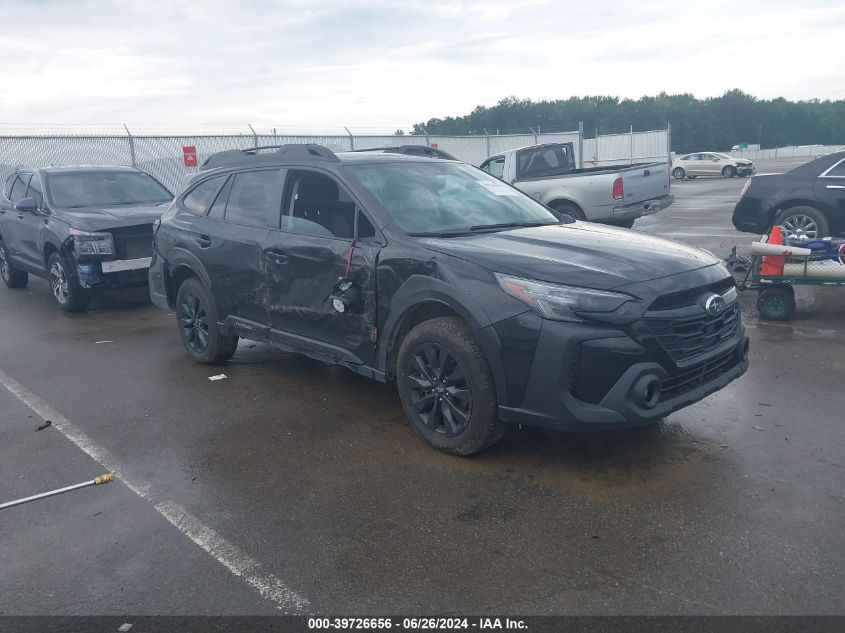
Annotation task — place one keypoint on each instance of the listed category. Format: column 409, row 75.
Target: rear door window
column 255, row 198
column 19, row 188
column 838, row 171
column 200, row 197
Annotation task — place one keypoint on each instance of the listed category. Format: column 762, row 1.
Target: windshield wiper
column 450, row 233
column 508, row 225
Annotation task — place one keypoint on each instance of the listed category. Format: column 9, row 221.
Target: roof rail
column 250, row 155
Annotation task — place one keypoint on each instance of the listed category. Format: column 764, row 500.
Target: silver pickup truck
column 613, row 195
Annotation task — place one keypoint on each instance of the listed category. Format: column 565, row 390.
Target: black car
column 809, row 200
column 84, row 228
column 481, row 305
column 412, row 150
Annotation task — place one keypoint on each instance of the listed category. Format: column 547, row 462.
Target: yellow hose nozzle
column 104, row 479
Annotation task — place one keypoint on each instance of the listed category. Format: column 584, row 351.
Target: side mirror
column 26, row 205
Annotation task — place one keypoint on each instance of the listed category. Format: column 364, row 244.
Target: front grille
column 689, row 332
column 133, row 242
column 672, row 386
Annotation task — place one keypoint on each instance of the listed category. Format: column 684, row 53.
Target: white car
column 710, row 164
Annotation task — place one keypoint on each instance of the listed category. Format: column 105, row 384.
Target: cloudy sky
column 388, row 64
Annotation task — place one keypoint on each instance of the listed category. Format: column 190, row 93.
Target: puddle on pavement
column 335, row 408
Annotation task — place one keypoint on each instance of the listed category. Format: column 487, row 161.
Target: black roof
column 71, row 169
column 309, row 153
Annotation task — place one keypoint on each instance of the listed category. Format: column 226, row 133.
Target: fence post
column 427, row 140
column 536, row 140
column 131, row 145
column 632, row 144
column 254, row 136
column 580, row 145
column 351, row 139
column 487, row 134
column 668, row 142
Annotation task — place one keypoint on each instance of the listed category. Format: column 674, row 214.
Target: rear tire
column 803, row 220
column 197, row 322
column 729, row 171
column 776, row 304
column 12, row 277
column 447, row 389
column 678, row 173
column 61, row 272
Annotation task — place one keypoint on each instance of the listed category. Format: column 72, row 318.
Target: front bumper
column 647, row 207
column 638, row 383
column 745, row 170
column 112, row 274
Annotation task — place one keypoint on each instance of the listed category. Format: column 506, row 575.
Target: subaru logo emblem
column 714, row 305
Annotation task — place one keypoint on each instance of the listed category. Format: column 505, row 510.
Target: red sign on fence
column 189, row 156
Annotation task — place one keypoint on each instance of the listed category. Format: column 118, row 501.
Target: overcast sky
column 390, row 64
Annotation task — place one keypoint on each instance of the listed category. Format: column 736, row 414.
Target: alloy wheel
column 440, row 392
column 59, row 283
column 193, row 318
column 800, row 224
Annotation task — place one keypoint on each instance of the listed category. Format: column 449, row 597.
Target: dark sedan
column 809, row 200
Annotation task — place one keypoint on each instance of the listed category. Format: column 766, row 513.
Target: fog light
column 647, row 391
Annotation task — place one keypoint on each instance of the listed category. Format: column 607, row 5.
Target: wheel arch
column 798, row 202
column 183, row 265
column 426, row 298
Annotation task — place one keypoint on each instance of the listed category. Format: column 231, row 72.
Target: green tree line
column 714, row 123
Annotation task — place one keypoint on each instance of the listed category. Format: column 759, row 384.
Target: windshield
column 432, row 197
column 105, row 188
column 725, row 156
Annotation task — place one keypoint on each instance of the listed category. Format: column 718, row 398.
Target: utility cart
column 776, row 301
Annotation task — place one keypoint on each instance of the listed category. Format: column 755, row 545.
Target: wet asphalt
column 311, row 475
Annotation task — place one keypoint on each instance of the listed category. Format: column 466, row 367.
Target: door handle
column 277, row 257
column 203, row 241
column 20, row 216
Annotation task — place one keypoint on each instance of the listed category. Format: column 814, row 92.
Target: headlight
column 92, row 244
column 561, row 303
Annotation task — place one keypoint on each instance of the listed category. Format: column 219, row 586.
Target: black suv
column 481, row 305
column 84, row 228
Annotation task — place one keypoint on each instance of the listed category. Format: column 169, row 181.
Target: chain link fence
column 161, row 155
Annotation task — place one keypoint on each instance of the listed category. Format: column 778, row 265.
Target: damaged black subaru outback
column 476, row 300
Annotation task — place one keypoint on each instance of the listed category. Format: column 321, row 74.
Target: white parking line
column 227, row 554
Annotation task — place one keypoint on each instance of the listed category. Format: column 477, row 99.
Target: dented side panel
column 301, row 273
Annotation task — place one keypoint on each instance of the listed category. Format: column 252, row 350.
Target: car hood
column 579, row 254
column 105, row 218
column 743, row 161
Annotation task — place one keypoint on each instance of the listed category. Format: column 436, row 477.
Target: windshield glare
column 105, row 188
column 434, row 197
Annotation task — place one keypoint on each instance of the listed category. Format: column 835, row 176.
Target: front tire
column 65, row 284
column 678, row 173
column 729, row 172
column 198, row 329
column 447, row 389
column 12, row 277
column 801, row 220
